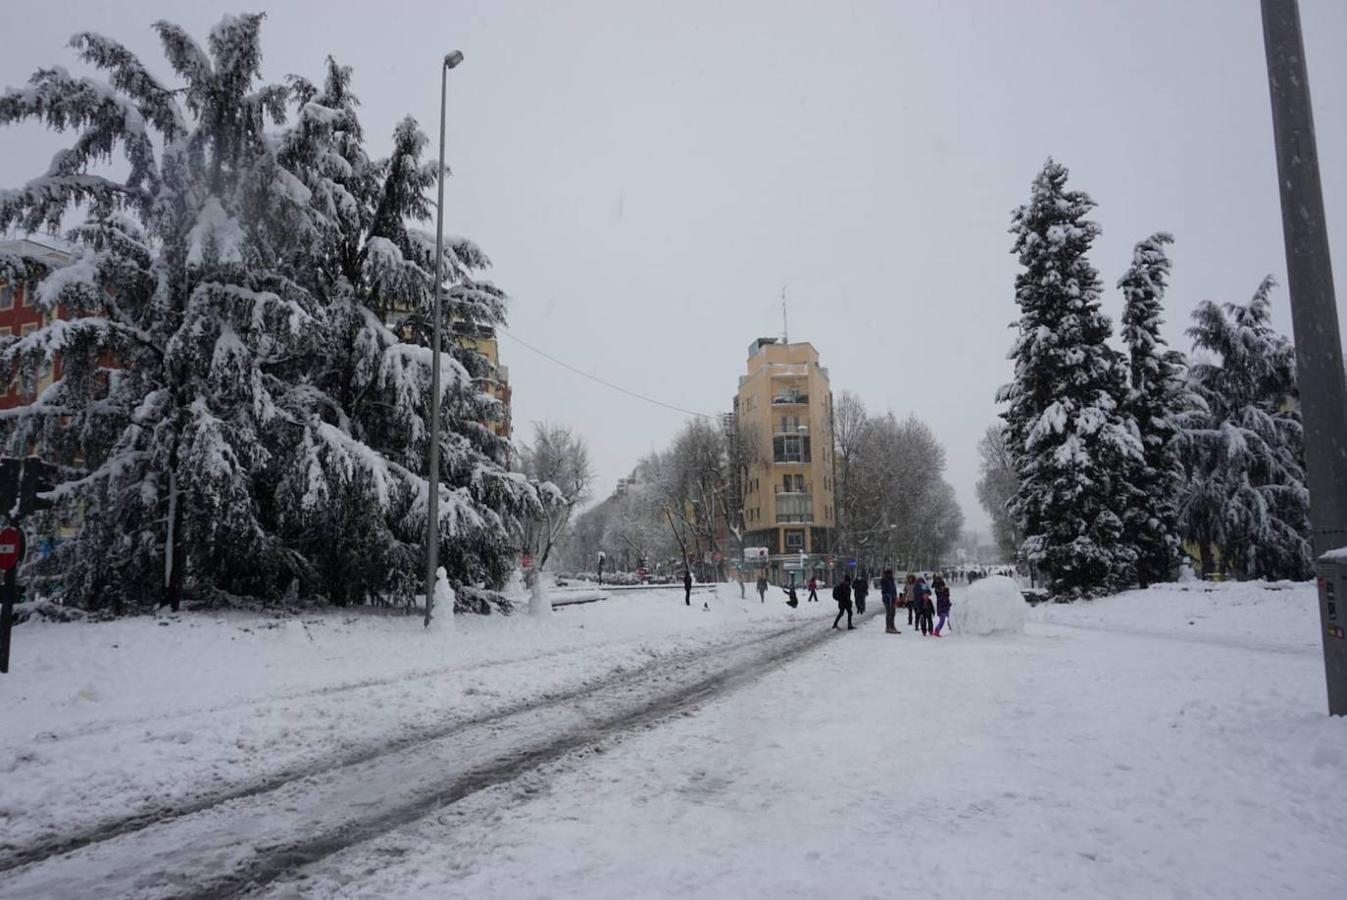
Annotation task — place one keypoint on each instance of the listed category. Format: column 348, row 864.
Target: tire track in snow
column 231, row 848
column 103, row 726
column 13, row 857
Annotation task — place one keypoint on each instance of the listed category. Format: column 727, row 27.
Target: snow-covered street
column 1160, row 743
column 1069, row 761
column 111, row 737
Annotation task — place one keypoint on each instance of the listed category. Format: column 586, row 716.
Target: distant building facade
column 483, row 339
column 784, row 406
column 19, row 316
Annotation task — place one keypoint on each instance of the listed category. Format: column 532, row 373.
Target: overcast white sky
column 647, row 176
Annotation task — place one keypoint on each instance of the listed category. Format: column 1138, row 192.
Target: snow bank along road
column 218, row 840
column 1063, row 762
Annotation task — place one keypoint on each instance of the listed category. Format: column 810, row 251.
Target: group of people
column 924, row 602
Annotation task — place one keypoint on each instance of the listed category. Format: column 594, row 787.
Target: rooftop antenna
column 785, row 325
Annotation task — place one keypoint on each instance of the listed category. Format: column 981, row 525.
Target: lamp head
column 453, row 59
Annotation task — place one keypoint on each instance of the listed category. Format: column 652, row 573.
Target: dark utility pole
column 1314, row 315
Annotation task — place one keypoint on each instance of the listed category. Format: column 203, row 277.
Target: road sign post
column 22, row 482
column 11, row 554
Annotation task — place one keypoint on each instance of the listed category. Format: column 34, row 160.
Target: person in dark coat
column 687, row 587
column 791, row 600
column 888, row 592
column 842, row 594
column 860, row 589
column 921, row 598
column 762, row 588
column 942, row 604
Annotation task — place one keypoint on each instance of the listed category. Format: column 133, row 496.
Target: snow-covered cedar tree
column 239, row 411
column 1157, row 401
column 1246, row 496
column 1066, row 427
column 374, row 275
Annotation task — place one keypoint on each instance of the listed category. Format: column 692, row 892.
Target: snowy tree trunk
column 174, row 550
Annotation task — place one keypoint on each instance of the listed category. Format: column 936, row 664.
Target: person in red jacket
column 813, row 588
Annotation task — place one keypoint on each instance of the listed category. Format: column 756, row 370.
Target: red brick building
column 19, row 316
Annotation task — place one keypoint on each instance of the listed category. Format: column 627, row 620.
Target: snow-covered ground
column 1166, row 743
column 1068, row 761
column 103, row 721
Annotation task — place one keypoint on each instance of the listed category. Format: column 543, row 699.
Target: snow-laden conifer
column 1065, row 423
column 1157, row 401
column 244, row 337
column 1246, row 497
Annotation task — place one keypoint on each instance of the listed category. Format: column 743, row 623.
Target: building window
column 7, row 291
column 790, row 448
column 792, row 484
column 794, row 539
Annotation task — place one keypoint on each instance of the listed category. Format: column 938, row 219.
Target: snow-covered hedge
column 991, row 605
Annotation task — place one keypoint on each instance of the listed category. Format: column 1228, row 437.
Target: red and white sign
column 11, row 548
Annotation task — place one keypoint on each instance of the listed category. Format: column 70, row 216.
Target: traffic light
column 21, row 480
column 38, row 478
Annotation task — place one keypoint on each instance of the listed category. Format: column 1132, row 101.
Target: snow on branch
column 128, row 74
column 216, row 236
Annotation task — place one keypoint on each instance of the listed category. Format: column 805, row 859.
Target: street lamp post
column 433, row 487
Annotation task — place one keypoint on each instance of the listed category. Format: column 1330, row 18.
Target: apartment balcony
column 792, row 398
column 794, row 508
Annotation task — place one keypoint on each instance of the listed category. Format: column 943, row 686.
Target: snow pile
column 988, row 606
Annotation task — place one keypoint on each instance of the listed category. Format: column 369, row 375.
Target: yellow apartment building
column 785, row 402
column 483, row 339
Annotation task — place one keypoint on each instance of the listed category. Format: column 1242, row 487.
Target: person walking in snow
column 910, row 598
column 762, row 588
column 842, row 594
column 888, row 592
column 741, row 585
column 861, row 589
column 687, row 587
column 942, row 604
column 791, row 600
column 813, row 588
column 921, row 598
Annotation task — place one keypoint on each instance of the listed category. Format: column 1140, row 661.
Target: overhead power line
column 608, row 384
